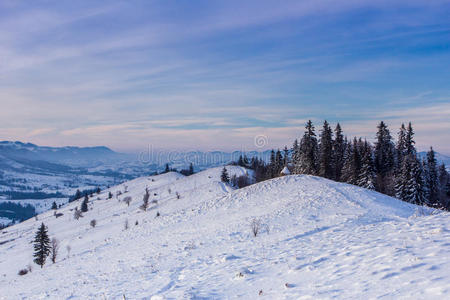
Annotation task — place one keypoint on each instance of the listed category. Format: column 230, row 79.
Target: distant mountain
column 441, row 158
column 72, row 156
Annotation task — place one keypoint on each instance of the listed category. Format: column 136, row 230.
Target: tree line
column 390, row 167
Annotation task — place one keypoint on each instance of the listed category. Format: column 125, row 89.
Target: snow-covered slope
column 317, row 239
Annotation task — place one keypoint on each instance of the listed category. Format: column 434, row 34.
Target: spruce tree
column 409, row 140
column 54, row 206
column 400, row 149
column 191, row 169
column 367, row 175
column 167, row 169
column 416, row 185
column 326, row 152
column 279, row 163
column 338, row 152
column 432, row 179
column 224, row 176
column 285, row 156
column 84, row 204
column 308, row 151
column 384, row 158
column 296, row 157
column 352, row 164
column 41, row 245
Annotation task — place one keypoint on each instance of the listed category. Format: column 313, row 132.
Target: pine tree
column 285, row 156
column 41, row 245
column 279, row 163
column 308, row 151
column 191, row 169
column 409, row 141
column 326, row 152
column 54, row 206
column 84, row 204
column 224, row 177
column 400, row 148
column 410, row 186
column 384, row 158
column 167, row 169
column 416, row 184
column 296, row 156
column 352, row 164
column 367, row 175
column 432, row 179
column 338, row 152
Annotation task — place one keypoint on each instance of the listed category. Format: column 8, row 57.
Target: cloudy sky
column 213, row 75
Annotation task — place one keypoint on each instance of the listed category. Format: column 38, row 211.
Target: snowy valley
column 292, row 237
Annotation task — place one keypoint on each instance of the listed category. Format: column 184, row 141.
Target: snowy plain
column 317, row 239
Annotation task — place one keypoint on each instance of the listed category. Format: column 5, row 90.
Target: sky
column 221, row 75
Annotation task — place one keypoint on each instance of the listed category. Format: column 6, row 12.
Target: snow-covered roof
column 285, row 171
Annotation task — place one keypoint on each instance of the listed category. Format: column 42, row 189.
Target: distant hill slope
column 316, row 239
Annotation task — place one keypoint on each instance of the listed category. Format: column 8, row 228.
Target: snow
column 285, row 171
column 318, row 239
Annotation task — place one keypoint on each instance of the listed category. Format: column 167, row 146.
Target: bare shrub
column 54, row 249
column 93, row 223
column 77, row 214
column 145, row 199
column 178, row 195
column 255, row 226
column 127, row 200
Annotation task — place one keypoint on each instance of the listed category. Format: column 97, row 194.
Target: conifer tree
column 285, row 156
column 338, row 152
column 84, row 204
column 279, row 163
column 432, row 179
column 167, row 169
column 416, row 185
column 400, row 148
column 296, row 156
column 367, row 175
column 409, row 140
column 191, row 169
column 54, row 206
column 41, row 245
column 224, row 176
column 352, row 163
column 326, row 152
column 308, row 151
column 384, row 158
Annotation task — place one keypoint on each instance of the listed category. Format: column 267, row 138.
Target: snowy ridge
column 317, row 239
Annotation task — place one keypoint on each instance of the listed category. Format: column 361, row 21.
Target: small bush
column 158, row 214
column 77, row 214
column 54, row 249
column 255, row 226
column 127, row 200
column 23, row 272
column 93, row 223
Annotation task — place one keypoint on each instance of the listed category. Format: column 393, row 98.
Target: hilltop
column 316, row 239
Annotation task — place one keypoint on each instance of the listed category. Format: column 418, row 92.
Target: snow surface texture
column 317, row 239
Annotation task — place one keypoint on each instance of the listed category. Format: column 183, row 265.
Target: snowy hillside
column 317, row 239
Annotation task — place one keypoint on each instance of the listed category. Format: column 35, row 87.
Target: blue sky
column 215, row 74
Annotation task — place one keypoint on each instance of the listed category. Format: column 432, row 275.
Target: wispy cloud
column 213, row 75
